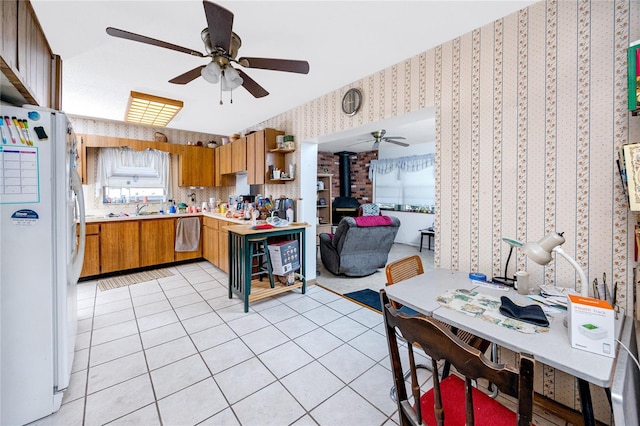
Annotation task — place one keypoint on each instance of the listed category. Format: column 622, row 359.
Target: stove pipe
column 345, row 172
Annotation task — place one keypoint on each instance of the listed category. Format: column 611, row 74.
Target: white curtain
column 412, row 163
column 124, row 167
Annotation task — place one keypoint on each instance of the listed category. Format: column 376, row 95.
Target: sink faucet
column 139, row 208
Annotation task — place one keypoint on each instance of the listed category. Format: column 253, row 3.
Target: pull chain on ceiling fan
column 222, row 46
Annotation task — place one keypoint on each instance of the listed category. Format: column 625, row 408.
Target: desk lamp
column 506, row 280
column 540, row 253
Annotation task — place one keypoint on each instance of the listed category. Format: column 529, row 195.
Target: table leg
column 585, row 401
column 421, row 239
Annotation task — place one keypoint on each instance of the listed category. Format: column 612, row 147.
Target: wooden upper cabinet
column 26, row 55
column 196, row 166
column 255, row 158
column 225, row 158
column 239, row 155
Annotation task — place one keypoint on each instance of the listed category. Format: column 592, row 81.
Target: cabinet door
column 210, row 240
column 239, row 155
column 156, row 241
column 91, row 265
column 119, row 246
column 196, row 166
column 185, row 255
column 256, row 158
column 225, row 158
column 223, row 250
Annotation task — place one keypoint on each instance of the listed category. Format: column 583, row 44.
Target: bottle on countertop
column 289, row 215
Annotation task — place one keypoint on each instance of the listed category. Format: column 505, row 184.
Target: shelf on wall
column 282, row 151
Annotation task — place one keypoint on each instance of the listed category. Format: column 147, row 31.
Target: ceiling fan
column 378, row 136
column 222, row 45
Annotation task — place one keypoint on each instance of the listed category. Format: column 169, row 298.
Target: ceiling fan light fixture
column 211, row 72
column 230, row 79
column 152, row 110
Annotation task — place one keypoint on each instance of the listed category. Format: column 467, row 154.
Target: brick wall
column 361, row 186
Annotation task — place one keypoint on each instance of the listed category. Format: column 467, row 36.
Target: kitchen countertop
column 221, row 216
column 246, row 229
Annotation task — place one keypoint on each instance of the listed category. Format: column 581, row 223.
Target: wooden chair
column 444, row 401
column 411, row 266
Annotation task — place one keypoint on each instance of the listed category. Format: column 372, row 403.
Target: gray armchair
column 358, row 251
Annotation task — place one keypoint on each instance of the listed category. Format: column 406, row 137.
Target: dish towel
column 188, row 234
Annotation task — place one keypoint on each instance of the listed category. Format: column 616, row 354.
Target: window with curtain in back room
column 404, row 183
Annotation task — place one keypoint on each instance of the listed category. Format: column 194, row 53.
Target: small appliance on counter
column 281, row 206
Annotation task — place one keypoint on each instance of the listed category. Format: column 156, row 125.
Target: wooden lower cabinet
column 215, row 242
column 91, row 265
column 223, row 248
column 188, row 255
column 129, row 244
column 157, row 241
column 119, row 246
column 210, row 239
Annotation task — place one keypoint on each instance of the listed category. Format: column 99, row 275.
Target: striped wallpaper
column 530, row 111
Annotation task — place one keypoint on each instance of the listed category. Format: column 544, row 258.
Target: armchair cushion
column 373, row 221
column 358, row 251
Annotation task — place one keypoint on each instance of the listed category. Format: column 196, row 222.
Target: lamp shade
column 540, row 252
column 230, row 79
column 211, row 72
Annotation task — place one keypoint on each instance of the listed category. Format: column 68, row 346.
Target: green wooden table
column 240, row 262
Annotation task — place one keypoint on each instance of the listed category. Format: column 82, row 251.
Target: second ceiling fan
column 222, row 45
column 379, row 136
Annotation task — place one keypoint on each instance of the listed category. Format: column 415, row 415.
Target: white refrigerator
column 41, row 258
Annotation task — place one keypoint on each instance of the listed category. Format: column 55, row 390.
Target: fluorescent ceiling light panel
column 152, row 110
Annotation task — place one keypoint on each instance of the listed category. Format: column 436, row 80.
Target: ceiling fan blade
column 252, row 87
column 376, row 144
column 152, row 41
column 188, row 76
column 395, row 137
column 396, row 142
column 359, row 143
column 220, row 22
column 288, row 65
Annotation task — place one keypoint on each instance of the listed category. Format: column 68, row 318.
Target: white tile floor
column 178, row 351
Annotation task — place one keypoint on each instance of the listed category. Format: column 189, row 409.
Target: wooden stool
column 429, row 234
column 258, row 248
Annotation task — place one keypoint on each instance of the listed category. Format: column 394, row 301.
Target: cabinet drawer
column 93, row 228
column 210, row 222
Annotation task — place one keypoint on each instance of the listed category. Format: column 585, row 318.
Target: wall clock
column 352, row 101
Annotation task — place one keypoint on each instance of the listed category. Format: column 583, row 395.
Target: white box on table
column 591, row 325
column 285, row 257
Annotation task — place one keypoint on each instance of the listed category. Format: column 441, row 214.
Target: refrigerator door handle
column 78, row 259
